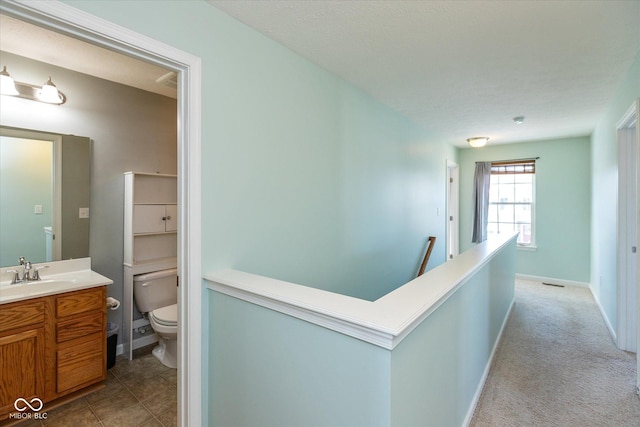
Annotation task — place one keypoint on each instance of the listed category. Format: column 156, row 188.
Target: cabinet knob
column 168, row 217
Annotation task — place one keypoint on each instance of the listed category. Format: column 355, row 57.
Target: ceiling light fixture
column 478, row 141
column 47, row 93
column 518, row 120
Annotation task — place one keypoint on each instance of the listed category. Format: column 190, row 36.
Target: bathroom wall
column 130, row 129
column 563, row 205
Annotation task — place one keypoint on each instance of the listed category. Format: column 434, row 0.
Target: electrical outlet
column 83, row 213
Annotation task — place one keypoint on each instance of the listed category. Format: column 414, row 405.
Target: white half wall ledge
column 384, row 322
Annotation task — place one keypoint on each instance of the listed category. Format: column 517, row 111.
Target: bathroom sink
column 63, row 276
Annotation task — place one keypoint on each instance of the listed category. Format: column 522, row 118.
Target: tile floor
column 141, row 392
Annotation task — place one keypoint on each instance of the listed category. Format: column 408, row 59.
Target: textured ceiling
column 466, row 68
column 458, row 68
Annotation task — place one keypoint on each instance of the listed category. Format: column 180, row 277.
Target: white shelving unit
column 150, row 240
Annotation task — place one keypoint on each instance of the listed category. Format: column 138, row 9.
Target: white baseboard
column 552, row 280
column 487, row 368
column 612, row 331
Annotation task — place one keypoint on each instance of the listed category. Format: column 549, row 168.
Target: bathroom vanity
column 52, row 335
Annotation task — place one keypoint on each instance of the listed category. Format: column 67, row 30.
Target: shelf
column 150, row 247
column 154, row 233
column 150, row 237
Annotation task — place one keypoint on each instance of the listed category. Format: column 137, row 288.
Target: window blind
column 513, row 167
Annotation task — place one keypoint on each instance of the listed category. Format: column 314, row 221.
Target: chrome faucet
column 36, row 272
column 26, row 276
column 16, row 276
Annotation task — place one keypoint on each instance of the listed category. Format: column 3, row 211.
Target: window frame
column 528, row 167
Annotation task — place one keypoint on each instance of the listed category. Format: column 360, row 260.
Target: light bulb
column 7, row 85
column 49, row 93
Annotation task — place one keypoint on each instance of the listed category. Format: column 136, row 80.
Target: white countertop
column 59, row 277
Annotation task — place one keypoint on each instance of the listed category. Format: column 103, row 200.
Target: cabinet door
column 172, row 218
column 22, row 368
column 148, row 219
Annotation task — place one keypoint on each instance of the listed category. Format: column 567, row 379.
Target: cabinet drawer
column 19, row 314
column 78, row 327
column 81, row 363
column 81, row 301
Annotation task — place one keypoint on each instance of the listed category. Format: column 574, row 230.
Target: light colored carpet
column 557, row 366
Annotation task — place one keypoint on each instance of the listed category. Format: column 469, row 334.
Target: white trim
column 529, row 248
column 628, row 289
column 487, row 368
column 452, row 201
column 612, row 331
column 552, row 280
column 630, row 117
column 84, row 26
column 384, row 322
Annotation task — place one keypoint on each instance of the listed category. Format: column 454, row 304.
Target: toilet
column 156, row 294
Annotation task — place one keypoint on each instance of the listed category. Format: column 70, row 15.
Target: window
column 512, row 200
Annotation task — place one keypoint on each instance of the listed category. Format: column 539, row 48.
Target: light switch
column 37, row 209
column 83, row 213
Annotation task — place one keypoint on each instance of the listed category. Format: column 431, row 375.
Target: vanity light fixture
column 7, row 85
column 478, row 141
column 47, row 93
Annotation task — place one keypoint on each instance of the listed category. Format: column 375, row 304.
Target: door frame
column 452, row 210
column 628, row 289
column 65, row 19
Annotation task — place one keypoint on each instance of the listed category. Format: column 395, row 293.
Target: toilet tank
column 155, row 290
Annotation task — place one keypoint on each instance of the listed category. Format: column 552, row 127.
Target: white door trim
column 628, row 292
column 65, row 19
column 452, row 210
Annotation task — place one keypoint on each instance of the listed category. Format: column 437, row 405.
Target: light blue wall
column 270, row 369
column 563, row 205
column 604, row 163
column 305, row 178
column 437, row 369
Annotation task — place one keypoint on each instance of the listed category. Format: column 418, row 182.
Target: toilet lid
column 166, row 316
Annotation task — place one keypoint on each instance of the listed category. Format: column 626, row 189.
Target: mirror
column 44, row 196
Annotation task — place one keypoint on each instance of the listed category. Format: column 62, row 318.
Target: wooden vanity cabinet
column 22, row 352
column 52, row 346
column 81, row 353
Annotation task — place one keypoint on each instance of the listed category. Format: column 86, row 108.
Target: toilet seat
column 166, row 316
